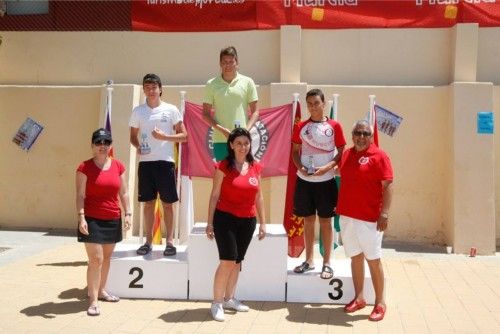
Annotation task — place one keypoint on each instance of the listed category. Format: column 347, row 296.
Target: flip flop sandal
column 328, row 270
column 109, row 298
column 304, row 267
column 93, row 310
column 144, row 249
column 170, row 250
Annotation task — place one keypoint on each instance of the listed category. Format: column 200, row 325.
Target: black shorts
column 315, row 197
column 233, row 235
column 102, row 231
column 157, row 177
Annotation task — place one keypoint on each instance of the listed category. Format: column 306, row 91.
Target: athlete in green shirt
column 232, row 95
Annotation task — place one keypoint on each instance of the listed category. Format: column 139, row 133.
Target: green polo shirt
column 230, row 101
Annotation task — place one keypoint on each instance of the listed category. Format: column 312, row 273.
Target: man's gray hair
column 362, row 122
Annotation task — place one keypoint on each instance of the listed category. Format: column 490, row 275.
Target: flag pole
column 109, row 103
column 336, row 220
column 178, row 185
column 107, row 116
column 335, row 106
column 141, row 223
column 371, row 119
column 294, row 108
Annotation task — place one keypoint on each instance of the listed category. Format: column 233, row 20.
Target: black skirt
column 102, row 231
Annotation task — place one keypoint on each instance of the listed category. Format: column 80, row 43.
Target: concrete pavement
column 42, row 289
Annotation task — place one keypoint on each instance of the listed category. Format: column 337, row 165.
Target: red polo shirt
column 238, row 192
column 362, row 173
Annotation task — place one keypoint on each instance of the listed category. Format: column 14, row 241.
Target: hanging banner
column 229, row 15
column 270, row 135
column 387, row 121
column 27, row 134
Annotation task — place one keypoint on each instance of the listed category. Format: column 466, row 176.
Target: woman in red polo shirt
column 235, row 201
column 100, row 181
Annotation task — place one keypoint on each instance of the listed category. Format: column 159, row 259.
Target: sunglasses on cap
column 362, row 133
column 102, row 142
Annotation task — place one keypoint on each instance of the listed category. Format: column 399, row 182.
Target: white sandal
column 93, row 310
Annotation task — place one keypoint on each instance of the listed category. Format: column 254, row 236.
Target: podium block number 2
column 134, row 283
column 337, row 283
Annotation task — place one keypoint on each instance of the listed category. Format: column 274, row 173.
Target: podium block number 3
column 337, row 283
column 134, row 283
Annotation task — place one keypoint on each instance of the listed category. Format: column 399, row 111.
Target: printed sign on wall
column 485, row 123
column 27, row 134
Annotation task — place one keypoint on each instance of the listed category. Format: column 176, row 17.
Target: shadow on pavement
column 64, row 264
column 190, row 315
column 408, row 247
column 51, row 310
column 307, row 313
column 75, row 293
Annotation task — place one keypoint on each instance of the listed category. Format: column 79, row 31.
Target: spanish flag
column 157, row 222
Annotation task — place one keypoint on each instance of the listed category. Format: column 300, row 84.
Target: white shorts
column 359, row 236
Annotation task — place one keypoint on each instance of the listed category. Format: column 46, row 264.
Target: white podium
column 266, row 275
column 310, row 288
column 150, row 276
column 264, row 269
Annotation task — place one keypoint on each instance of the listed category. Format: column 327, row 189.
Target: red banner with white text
column 229, row 15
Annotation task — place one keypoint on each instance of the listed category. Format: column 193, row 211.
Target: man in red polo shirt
column 364, row 202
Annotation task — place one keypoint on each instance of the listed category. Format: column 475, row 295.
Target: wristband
column 81, row 213
column 128, row 214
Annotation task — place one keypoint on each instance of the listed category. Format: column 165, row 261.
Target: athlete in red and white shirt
column 364, row 203
column 317, row 148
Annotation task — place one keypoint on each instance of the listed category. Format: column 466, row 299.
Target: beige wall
column 425, row 106
column 473, row 174
column 496, row 110
column 488, row 59
column 376, row 56
column 73, row 58
column 346, row 57
column 37, row 187
column 290, row 60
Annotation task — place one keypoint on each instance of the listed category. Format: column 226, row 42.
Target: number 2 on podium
column 133, row 284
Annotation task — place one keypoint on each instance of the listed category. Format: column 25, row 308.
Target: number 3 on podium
column 337, row 283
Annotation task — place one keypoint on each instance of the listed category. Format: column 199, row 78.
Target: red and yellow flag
column 157, row 222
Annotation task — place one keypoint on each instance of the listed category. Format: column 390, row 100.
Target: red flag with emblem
column 270, row 134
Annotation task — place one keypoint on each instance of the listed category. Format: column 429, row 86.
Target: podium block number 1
column 134, row 283
column 337, row 283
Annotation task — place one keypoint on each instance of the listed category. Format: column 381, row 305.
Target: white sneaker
column 217, row 311
column 235, row 304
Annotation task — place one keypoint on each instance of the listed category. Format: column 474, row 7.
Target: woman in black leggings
column 235, row 204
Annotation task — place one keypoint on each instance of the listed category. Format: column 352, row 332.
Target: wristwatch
column 384, row 215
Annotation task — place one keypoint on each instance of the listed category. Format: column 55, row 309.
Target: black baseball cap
column 101, row 134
